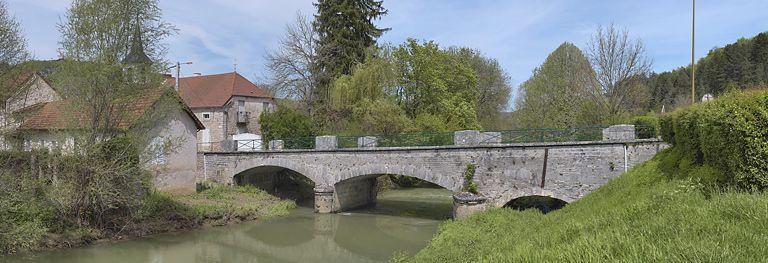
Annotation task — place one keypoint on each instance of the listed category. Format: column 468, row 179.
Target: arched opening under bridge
column 281, row 182
column 544, row 204
column 396, row 195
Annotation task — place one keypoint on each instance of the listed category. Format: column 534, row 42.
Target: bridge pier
column 324, row 200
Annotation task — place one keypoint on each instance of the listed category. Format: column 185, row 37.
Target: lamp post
column 178, row 72
column 693, row 53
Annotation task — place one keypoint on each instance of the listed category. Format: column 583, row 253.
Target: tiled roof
column 61, row 115
column 216, row 90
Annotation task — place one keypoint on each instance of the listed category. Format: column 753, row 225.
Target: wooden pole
column 693, row 54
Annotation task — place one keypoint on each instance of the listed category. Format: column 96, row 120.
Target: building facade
column 229, row 105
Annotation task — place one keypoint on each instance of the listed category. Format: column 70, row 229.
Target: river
column 401, row 221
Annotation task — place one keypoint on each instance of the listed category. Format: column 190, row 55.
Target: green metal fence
column 446, row 138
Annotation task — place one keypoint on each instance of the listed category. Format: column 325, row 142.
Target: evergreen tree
column 345, row 31
column 759, row 57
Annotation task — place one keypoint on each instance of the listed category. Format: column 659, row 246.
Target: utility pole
column 693, row 54
column 178, row 72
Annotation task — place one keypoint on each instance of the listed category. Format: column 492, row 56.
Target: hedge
column 729, row 134
column 646, row 126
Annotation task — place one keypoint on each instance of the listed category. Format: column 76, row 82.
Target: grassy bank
column 641, row 216
column 158, row 213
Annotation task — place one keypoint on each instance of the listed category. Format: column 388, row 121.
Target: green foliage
column 285, row 123
column 373, row 80
column 380, row 117
column 727, row 134
column 469, row 179
column 437, row 83
column 646, row 126
column 493, row 86
column 561, row 92
column 640, row 216
column 345, row 30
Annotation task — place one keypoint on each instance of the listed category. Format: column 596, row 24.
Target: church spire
column 137, row 55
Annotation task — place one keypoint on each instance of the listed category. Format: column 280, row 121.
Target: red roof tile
column 216, row 90
column 61, row 115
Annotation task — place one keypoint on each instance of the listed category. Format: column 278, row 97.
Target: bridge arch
column 279, row 181
column 544, row 204
column 450, row 182
column 306, row 170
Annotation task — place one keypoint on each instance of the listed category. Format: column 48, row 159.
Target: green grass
column 641, row 216
column 223, row 204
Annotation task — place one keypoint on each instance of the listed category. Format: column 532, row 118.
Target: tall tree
column 113, row 54
column 103, row 30
column 619, row 64
column 561, row 93
column 13, row 45
column 289, row 65
column 345, row 30
column 437, row 86
column 493, row 86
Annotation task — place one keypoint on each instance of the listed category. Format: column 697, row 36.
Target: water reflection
column 370, row 235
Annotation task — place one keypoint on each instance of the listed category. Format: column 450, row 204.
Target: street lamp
column 178, row 72
column 693, row 53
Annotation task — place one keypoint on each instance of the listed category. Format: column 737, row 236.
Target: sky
column 217, row 34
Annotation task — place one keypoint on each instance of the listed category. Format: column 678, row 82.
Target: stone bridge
column 345, row 179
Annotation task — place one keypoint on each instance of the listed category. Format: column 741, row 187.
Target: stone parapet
column 619, row 133
column 326, row 143
column 466, row 138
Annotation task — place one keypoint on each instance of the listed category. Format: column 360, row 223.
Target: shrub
column 286, row 123
column 647, row 126
column 665, row 129
column 469, row 183
column 729, row 135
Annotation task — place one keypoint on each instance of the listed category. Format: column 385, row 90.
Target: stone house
column 36, row 117
column 229, row 105
column 55, row 125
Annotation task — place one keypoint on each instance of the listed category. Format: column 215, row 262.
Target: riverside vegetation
column 34, row 215
column 703, row 199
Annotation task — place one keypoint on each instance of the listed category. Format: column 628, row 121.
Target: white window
column 157, row 151
column 241, row 105
column 206, row 115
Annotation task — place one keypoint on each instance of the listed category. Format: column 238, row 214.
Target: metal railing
column 422, row 139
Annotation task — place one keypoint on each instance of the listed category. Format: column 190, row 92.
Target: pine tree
column 346, row 30
column 760, row 57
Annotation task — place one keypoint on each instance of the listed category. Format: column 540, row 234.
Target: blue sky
column 520, row 34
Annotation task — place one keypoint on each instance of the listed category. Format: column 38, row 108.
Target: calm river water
column 402, row 220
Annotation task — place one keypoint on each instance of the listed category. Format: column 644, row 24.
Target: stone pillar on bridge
column 367, row 142
column 619, row 133
column 326, row 143
column 324, row 201
column 466, row 138
column 276, row 145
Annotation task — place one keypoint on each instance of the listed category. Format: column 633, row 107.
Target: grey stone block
column 619, row 133
column 326, row 143
column 466, row 138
